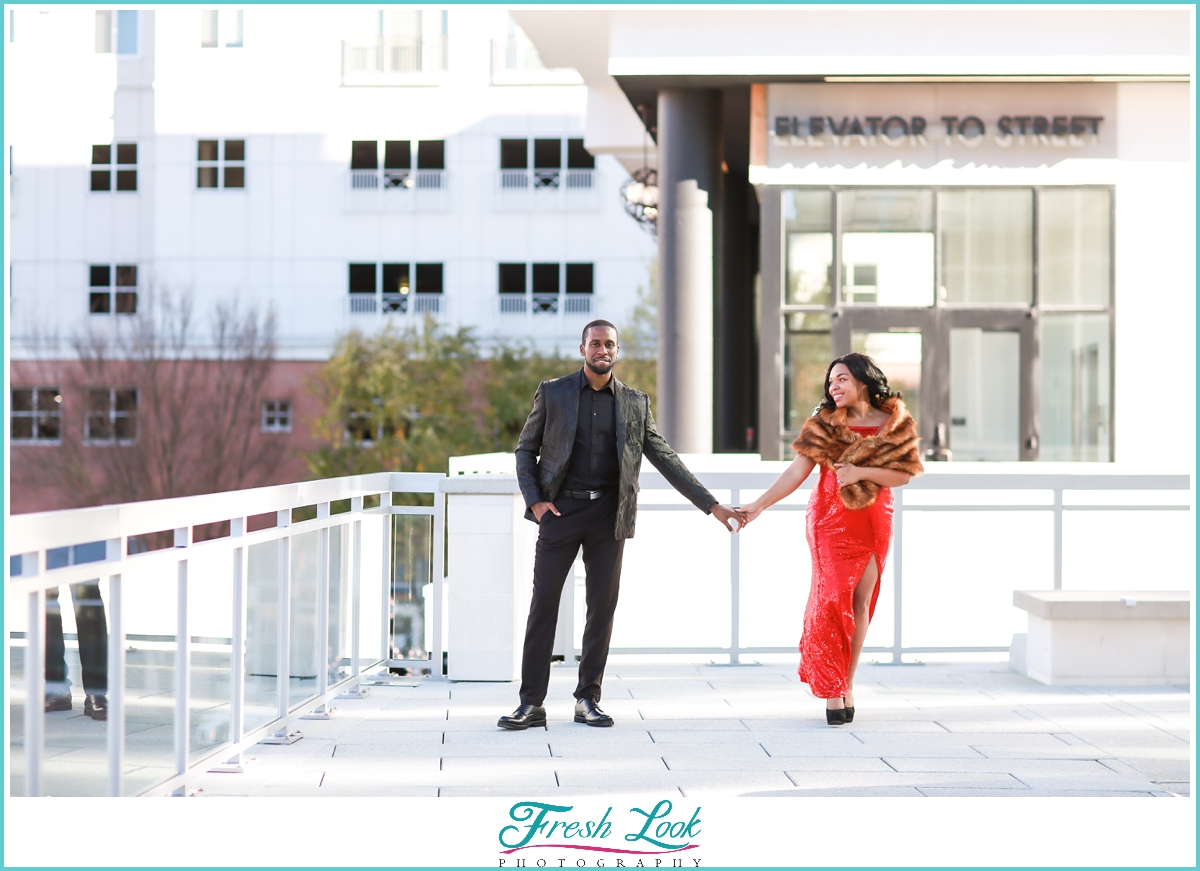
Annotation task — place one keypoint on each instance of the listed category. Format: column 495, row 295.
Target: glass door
column 986, row 391
column 903, row 344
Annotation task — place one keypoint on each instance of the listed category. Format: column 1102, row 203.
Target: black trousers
column 93, row 640
column 589, row 524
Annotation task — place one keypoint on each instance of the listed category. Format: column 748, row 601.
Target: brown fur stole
column 827, row 439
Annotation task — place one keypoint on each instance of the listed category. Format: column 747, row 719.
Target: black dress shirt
column 594, row 455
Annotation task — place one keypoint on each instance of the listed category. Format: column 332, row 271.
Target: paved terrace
column 932, row 730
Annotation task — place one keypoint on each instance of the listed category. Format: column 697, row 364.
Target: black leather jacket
column 544, row 449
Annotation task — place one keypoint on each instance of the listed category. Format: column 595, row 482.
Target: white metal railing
column 547, row 307
column 396, row 181
column 392, row 304
column 738, row 586
column 197, row 592
column 514, row 54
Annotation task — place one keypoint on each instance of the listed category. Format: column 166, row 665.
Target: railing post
column 35, row 692
column 283, row 650
column 389, row 526
column 237, row 653
column 437, row 652
column 735, row 596
column 1058, row 537
column 116, row 685
column 183, row 683
column 356, row 690
column 321, row 712
column 898, row 576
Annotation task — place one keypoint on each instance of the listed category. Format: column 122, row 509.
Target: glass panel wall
column 1076, row 252
column 808, row 217
column 261, row 659
column 806, row 357
column 985, row 395
column 887, row 246
column 1076, row 387
column 898, row 354
column 302, row 653
column 986, row 245
column 412, row 573
column 1044, row 254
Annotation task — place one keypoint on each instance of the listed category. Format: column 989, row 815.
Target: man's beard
column 597, row 371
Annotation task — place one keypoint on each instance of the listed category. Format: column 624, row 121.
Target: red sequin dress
column 842, row 542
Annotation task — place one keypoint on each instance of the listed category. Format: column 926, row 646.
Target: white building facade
column 346, row 167
column 996, row 202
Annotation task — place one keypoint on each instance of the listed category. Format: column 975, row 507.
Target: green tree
column 511, row 377
column 398, row 402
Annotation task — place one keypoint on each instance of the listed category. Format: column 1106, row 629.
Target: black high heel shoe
column 835, row 716
column 848, row 710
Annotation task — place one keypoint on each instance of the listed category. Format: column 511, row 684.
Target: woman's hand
column 747, row 513
column 847, row 474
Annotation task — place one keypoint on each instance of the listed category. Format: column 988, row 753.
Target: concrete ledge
column 1104, row 605
column 1105, row 638
column 489, row 485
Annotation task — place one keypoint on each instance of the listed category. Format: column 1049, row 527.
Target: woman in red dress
column 865, row 442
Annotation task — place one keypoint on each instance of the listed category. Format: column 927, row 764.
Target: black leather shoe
column 849, row 709
column 95, row 707
column 58, row 703
column 587, row 711
column 835, row 716
column 524, row 717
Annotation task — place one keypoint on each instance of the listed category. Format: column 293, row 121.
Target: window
column 210, row 34
column 100, row 295
column 362, row 277
column 364, row 154
column 125, row 167
column 36, row 414
column 277, row 415
column 431, row 163
column 396, row 287
column 547, row 162
column 431, row 154
column 991, row 308
column 581, row 166
column 580, row 286
column 127, row 31
column 208, row 28
column 104, row 28
column 514, row 154
column 512, row 278
column 579, row 277
column 219, row 162
column 399, row 288
column 397, row 163
column 578, row 156
column 429, row 278
column 545, row 287
column 111, row 416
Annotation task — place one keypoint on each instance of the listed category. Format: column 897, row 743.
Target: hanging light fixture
column 639, row 192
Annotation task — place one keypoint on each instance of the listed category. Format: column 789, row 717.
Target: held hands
column 848, row 474
column 748, row 513
column 540, row 508
column 725, row 515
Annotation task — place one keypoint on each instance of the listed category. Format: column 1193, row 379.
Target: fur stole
column 827, row 439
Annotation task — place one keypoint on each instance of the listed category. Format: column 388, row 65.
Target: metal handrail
column 37, row 536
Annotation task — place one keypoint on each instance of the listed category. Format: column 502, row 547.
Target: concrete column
column 489, row 576
column 689, row 184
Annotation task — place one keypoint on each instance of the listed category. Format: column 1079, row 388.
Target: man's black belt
column 584, row 494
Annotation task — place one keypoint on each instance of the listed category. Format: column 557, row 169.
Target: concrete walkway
column 931, row 730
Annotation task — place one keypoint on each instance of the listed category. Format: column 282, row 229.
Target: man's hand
column 725, row 515
column 540, row 508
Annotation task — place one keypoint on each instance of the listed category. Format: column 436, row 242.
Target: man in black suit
column 578, row 461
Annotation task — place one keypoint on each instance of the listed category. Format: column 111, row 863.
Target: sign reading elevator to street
column 898, row 131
